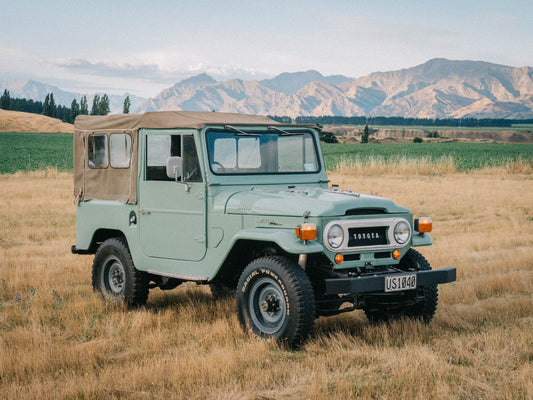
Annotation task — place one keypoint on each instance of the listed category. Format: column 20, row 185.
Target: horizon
column 130, row 93
column 134, row 47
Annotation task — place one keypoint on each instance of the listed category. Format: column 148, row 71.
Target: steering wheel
column 220, row 168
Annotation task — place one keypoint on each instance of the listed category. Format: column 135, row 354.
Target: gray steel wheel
column 267, row 305
column 115, row 276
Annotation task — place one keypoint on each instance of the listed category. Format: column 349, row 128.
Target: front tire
column 275, row 299
column 115, row 277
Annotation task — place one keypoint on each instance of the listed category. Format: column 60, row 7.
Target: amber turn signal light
column 423, row 224
column 396, row 254
column 306, row 231
column 339, row 258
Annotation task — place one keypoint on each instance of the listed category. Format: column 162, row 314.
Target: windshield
column 262, row 153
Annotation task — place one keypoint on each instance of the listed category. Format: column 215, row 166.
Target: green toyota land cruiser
column 242, row 203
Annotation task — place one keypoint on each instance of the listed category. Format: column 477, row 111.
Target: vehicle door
column 172, row 201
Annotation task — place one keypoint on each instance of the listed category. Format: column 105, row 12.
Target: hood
column 317, row 201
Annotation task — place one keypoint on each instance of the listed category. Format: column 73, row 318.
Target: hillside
column 15, row 121
column 439, row 88
column 352, row 134
column 443, row 88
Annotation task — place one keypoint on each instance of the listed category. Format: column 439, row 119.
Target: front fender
column 422, row 239
column 285, row 239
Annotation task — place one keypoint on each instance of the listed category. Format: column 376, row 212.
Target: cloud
column 154, row 72
column 79, row 66
column 223, row 72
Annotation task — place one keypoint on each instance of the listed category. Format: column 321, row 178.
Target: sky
column 143, row 47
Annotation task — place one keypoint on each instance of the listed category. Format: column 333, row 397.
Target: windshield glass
column 262, row 153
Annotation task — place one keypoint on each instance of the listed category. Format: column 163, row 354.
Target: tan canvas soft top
column 121, row 183
column 167, row 119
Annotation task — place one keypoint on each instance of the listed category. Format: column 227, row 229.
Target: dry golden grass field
column 59, row 340
column 16, row 121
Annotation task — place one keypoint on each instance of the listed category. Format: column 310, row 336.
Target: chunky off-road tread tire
column 221, row 292
column 114, row 275
column 424, row 310
column 297, row 308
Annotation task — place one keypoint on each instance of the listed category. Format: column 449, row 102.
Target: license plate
column 396, row 283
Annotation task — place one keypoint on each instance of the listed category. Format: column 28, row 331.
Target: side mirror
column 174, row 168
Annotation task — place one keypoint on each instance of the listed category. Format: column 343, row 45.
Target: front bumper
column 376, row 283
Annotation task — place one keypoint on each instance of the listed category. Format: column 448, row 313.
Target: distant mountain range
column 439, row 88
column 37, row 91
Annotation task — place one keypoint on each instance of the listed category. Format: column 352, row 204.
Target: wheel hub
column 117, row 278
column 114, row 276
column 270, row 304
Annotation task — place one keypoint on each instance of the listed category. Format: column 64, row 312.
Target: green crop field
column 35, row 151
column 466, row 156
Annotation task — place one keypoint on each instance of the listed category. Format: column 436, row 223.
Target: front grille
column 365, row 211
column 372, row 236
column 352, row 257
column 382, row 254
column 366, row 234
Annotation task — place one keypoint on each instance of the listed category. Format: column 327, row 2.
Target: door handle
column 144, row 212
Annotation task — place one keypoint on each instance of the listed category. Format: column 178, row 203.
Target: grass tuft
column 401, row 165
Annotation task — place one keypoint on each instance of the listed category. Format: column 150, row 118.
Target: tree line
column 100, row 106
column 401, row 121
column 49, row 108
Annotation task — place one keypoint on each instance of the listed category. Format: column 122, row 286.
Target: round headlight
column 335, row 236
column 401, row 232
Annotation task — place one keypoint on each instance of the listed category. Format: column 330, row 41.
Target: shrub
column 328, row 137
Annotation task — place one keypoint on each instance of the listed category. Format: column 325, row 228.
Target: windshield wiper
column 282, row 132
column 238, row 131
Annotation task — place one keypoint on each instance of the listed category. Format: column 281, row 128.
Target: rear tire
column 424, row 309
column 275, row 299
column 115, row 277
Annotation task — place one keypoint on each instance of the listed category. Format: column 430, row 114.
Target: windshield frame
column 259, row 132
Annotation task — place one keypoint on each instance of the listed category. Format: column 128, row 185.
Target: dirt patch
column 519, row 137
